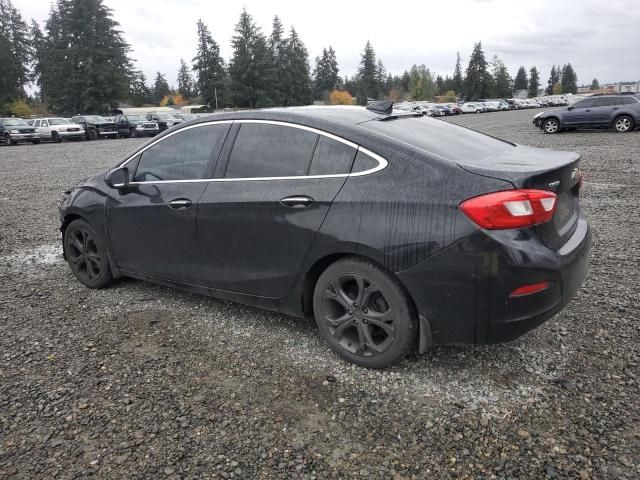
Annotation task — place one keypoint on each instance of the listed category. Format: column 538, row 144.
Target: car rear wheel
column 551, row 125
column 86, row 255
column 623, row 124
column 363, row 313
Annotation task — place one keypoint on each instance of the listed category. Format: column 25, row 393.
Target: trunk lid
column 527, row 167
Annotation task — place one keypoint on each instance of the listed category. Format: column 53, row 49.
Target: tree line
column 79, row 61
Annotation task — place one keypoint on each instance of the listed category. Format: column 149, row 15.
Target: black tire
column 551, row 125
column 86, row 255
column 92, row 135
column 378, row 331
column 55, row 137
column 35, row 142
column 623, row 124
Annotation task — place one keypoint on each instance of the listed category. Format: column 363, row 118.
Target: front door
column 579, row 115
column 152, row 224
column 258, row 221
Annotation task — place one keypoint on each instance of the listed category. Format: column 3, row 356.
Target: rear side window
column 184, row 155
column 605, row 102
column 331, row 157
column 265, row 150
column 627, row 100
column 363, row 162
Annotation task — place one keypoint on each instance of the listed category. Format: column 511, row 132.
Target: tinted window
column 331, row 157
column 182, row 156
column 584, row 104
column 605, row 101
column 363, row 162
column 627, row 100
column 36, row 123
column 263, row 150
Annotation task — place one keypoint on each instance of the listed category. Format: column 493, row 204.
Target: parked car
column 472, row 107
column 185, row 117
column 619, row 112
column 135, row 126
column 164, row 120
column 57, row 129
column 96, row 127
column 443, row 108
column 15, row 130
column 301, row 213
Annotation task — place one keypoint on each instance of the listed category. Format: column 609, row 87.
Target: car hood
column 25, row 128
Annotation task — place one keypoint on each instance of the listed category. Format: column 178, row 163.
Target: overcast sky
column 600, row 39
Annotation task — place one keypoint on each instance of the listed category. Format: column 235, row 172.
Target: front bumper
column 20, row 137
column 108, row 133
column 77, row 134
column 463, row 290
column 147, row 131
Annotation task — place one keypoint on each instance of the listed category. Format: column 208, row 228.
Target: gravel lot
column 140, row 381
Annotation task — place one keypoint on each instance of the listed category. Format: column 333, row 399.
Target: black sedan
column 393, row 230
column 618, row 112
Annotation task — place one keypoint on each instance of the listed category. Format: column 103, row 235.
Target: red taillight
column 529, row 289
column 511, row 208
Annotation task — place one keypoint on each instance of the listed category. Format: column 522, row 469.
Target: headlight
column 14, row 131
column 169, row 124
column 538, row 114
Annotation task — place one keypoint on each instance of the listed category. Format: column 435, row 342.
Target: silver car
column 57, row 129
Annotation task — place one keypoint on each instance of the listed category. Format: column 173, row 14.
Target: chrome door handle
column 297, row 201
column 180, row 204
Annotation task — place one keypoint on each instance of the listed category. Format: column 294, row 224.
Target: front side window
column 36, row 123
column 588, row 103
column 265, row 150
column 182, row 156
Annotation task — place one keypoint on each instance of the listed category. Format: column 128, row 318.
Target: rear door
column 152, row 224
column 258, row 218
column 604, row 109
column 45, row 129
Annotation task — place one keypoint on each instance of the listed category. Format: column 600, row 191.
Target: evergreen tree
column 83, row 63
column 421, row 84
column 16, row 52
column 280, row 72
column 554, row 78
column 297, row 90
column 185, row 82
column 139, row 93
column 160, row 88
column 534, row 82
column 381, row 77
column 476, row 75
column 595, row 85
column 325, row 74
column 209, row 69
column 457, row 82
column 251, row 69
column 569, row 79
column 367, row 76
column 440, row 86
column 503, row 83
column 521, row 81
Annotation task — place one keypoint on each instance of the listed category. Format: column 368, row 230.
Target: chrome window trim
column 382, row 162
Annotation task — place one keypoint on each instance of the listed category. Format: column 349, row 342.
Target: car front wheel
column 363, row 313
column 551, row 125
column 623, row 124
column 86, row 255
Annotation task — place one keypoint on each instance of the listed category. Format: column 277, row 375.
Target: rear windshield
column 441, row 138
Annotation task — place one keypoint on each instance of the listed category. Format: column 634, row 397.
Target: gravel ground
column 140, row 381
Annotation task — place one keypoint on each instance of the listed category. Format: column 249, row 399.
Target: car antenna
column 383, row 106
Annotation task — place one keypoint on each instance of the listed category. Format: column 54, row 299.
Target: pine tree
column 84, row 64
column 185, row 82
column 325, row 74
column 457, row 82
column 17, row 52
column 554, row 78
column 296, row 63
column 569, row 79
column 251, row 69
column 534, row 82
column 440, row 86
column 367, row 76
column 160, row 88
column 521, row 81
column 209, row 68
column 595, row 85
column 282, row 77
column 139, row 93
column 476, row 76
column 503, row 83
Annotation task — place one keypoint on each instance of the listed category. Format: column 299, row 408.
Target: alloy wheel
column 551, row 126
column 358, row 315
column 623, row 124
column 84, row 255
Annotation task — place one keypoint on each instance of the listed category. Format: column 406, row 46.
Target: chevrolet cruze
column 394, row 231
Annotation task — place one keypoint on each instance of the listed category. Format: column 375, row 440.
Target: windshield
column 95, row 119
column 59, row 121
column 15, row 122
column 166, row 116
column 137, row 118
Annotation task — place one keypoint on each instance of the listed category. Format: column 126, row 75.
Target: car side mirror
column 570, row 108
column 118, row 178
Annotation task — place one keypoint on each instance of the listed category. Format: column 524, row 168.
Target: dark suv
column 135, row 126
column 96, row 126
column 164, row 120
column 14, row 130
column 620, row 112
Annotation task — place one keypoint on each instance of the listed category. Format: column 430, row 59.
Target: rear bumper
column 463, row 291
